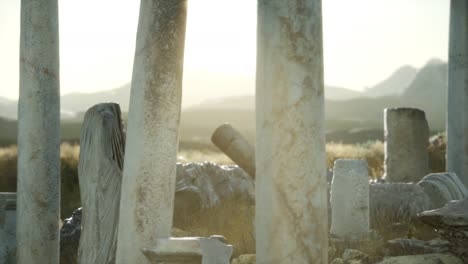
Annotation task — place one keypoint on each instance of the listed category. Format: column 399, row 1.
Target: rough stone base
column 372, row 246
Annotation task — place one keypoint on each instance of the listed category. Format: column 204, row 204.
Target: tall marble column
column 38, row 189
column 457, row 111
column 291, row 199
column 148, row 185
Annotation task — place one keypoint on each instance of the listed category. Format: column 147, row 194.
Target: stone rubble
column 451, row 222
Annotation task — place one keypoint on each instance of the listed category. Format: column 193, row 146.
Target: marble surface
column 38, row 188
column 291, row 189
column 100, row 167
column 149, row 176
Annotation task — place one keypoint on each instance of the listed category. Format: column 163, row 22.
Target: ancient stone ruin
column 406, row 141
column 349, row 199
column 290, row 169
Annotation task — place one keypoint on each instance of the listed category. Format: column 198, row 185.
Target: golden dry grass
column 234, row 218
column 373, row 152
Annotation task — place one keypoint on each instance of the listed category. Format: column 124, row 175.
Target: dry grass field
column 234, row 218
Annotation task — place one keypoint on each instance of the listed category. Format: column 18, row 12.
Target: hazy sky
column 364, row 41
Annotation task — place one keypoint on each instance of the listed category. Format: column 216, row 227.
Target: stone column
column 349, row 199
column 38, row 187
column 148, row 185
column 457, row 111
column 291, row 189
column 231, row 142
column 406, row 142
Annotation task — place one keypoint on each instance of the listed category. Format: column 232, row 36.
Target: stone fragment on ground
column 423, row 259
column 443, row 188
column 404, row 246
column 451, row 222
column 70, row 238
column 355, row 256
column 244, row 259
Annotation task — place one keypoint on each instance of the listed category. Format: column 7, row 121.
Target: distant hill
column 8, row 108
column 395, row 84
column 355, row 119
column 80, row 102
column 340, row 93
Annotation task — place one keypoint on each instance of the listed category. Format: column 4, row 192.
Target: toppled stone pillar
column 443, row 188
column 100, row 176
column 236, row 147
column 349, row 199
column 149, row 176
column 8, row 228
column 291, row 219
column 457, row 111
column 193, row 250
column 38, row 186
column 406, row 141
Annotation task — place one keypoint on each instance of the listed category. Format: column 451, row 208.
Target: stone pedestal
column 100, row 167
column 457, row 112
column 406, row 141
column 236, row 147
column 147, row 198
column 194, row 250
column 349, row 199
column 8, row 228
column 38, row 186
column 291, row 189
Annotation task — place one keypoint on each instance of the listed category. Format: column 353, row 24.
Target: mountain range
column 345, row 109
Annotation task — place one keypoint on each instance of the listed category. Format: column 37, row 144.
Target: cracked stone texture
column 406, row 142
column 38, row 183
column 291, row 189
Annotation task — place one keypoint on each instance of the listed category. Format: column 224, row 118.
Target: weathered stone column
column 38, row 188
column 100, row 167
column 231, row 142
column 457, row 111
column 349, row 199
column 291, row 189
column 148, row 185
column 406, row 141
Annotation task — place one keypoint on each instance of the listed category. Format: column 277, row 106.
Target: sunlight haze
column 364, row 42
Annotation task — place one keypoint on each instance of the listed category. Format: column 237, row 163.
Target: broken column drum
column 291, row 220
column 38, row 187
column 406, row 142
column 349, row 199
column 457, row 111
column 7, row 228
column 231, row 142
column 100, row 176
column 149, row 176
